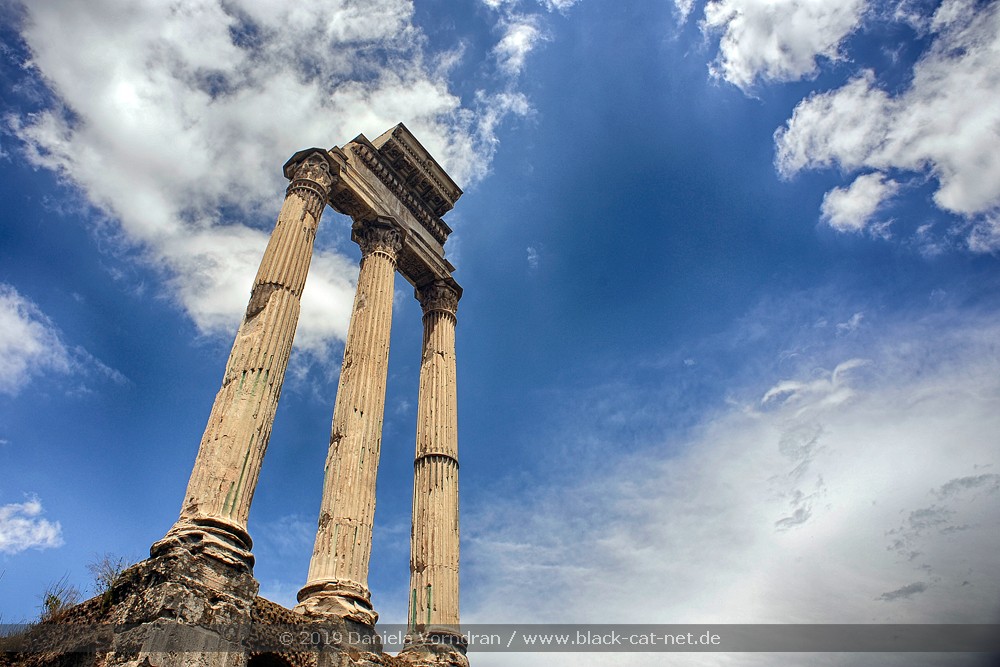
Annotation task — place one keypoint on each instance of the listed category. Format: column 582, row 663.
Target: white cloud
column 828, row 390
column 521, row 35
column 779, row 40
column 865, row 494
column 559, row 5
column 491, row 109
column 31, row 345
column 943, row 125
column 29, row 342
column 175, row 112
column 22, row 528
column 550, row 5
column 684, row 8
column 851, row 209
column 532, row 257
column 852, row 324
column 521, row 32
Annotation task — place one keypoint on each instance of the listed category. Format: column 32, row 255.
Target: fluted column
column 434, row 537
column 338, row 571
column 217, row 501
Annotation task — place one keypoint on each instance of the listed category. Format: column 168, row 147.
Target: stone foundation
column 159, row 614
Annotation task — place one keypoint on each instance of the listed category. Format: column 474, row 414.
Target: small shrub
column 106, row 570
column 58, row 597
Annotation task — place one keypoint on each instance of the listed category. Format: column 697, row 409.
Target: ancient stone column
column 217, row 502
column 434, row 539
column 338, row 571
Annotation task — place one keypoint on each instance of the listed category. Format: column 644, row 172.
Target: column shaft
column 434, row 537
column 338, row 571
column 226, row 469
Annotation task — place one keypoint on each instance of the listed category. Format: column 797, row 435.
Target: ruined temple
column 194, row 600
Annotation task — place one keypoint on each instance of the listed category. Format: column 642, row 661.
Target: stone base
column 183, row 607
column 194, row 603
column 337, row 599
column 189, row 604
column 435, row 647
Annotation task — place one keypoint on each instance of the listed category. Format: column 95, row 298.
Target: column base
column 435, row 646
column 210, row 538
column 340, row 598
column 190, row 603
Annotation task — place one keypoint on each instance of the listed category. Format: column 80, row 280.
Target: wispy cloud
column 29, row 342
column 852, row 324
column 31, row 345
column 520, row 36
column 988, row 483
column 533, row 257
column 521, row 30
column 22, row 527
column 904, row 592
column 786, row 508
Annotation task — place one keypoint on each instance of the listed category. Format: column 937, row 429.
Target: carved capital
column 439, row 295
column 315, row 169
column 378, row 238
column 312, row 180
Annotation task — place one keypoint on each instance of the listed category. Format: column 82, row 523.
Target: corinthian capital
column 376, row 237
column 439, row 295
column 314, row 169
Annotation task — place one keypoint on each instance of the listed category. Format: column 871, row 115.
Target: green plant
column 58, row 597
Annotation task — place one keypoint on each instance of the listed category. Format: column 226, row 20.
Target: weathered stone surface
column 434, row 538
column 395, row 176
column 432, row 650
column 338, row 571
column 92, row 635
column 194, row 602
column 226, row 469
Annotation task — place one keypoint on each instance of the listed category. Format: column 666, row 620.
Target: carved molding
column 438, row 296
column 438, row 194
column 430, row 222
column 344, row 201
column 439, row 457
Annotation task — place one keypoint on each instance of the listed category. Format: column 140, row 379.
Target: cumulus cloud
column 29, row 342
column 768, row 40
column 174, row 120
column 22, row 528
column 851, row 209
column 786, row 509
column 944, row 125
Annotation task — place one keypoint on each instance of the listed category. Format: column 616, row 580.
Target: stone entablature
column 394, row 177
column 422, row 174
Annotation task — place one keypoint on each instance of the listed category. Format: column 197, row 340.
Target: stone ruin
column 194, row 600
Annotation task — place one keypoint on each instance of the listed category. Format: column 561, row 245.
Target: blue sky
column 728, row 345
